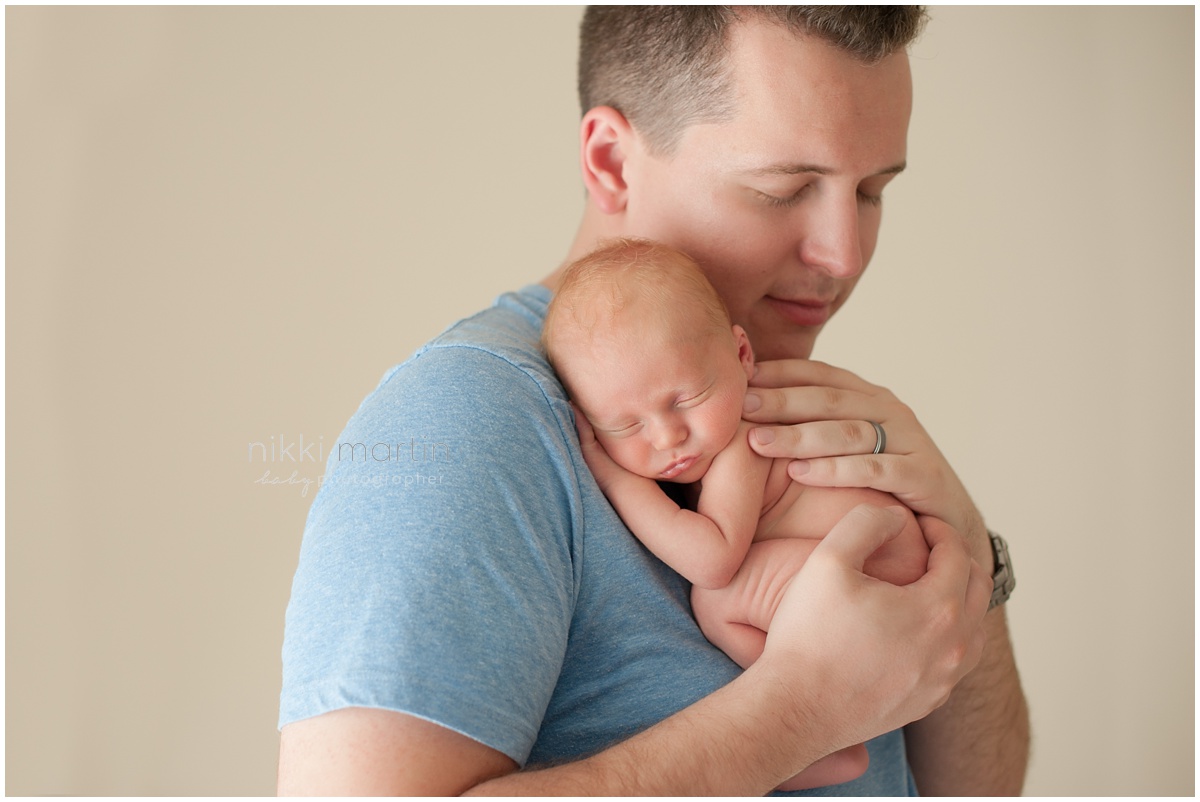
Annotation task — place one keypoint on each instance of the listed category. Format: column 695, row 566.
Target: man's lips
column 677, row 467
column 803, row 311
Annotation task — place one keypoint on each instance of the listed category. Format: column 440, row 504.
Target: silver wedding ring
column 880, row 438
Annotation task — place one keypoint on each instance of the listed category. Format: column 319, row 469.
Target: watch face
column 1002, row 575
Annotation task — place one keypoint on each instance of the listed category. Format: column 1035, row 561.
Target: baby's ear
column 745, row 351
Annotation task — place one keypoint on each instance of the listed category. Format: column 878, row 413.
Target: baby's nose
column 668, row 434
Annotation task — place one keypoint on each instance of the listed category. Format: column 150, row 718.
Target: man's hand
column 978, row 743
column 830, row 435
column 875, row 656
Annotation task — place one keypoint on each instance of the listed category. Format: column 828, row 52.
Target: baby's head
column 645, row 348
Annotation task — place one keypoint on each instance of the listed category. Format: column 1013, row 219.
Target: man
column 504, row 618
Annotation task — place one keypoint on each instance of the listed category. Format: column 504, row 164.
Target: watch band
column 1003, row 580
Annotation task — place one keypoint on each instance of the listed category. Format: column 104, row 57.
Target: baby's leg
column 735, row 618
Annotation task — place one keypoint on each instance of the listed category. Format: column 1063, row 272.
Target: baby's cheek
column 630, row 455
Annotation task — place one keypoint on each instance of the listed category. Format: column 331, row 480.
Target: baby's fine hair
column 597, row 287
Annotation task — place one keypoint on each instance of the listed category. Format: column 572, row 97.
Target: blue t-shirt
column 460, row 564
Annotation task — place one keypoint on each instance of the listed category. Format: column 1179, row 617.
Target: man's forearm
column 847, row 658
column 736, row 742
column 977, row 744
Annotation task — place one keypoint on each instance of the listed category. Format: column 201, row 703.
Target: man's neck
column 593, row 229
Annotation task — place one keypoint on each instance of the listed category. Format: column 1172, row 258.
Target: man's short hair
column 664, row 67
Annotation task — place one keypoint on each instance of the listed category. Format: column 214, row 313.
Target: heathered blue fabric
column 461, row 565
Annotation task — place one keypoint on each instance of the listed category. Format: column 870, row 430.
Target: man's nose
column 832, row 239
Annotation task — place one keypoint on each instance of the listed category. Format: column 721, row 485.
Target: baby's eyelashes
column 697, row 399
column 618, row 430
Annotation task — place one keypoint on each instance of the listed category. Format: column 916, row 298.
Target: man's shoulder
column 499, row 345
column 510, row 329
column 494, row 354
column 477, row 409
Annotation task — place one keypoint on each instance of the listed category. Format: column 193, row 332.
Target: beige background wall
column 223, row 225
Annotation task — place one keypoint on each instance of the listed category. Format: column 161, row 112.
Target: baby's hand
column 598, row 461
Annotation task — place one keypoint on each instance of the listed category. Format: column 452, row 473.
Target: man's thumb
column 860, row 533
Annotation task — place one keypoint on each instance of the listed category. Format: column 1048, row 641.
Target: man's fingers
column 979, row 590
column 948, row 555
column 890, row 473
column 822, row 439
column 859, row 534
column 954, row 575
column 798, row 372
column 950, row 562
column 803, row 404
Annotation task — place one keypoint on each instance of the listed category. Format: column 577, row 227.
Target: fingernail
column 751, row 403
column 798, row 467
column 764, row 436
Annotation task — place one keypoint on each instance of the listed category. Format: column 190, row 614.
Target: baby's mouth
column 677, row 467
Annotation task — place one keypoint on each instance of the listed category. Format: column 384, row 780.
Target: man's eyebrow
column 813, row 169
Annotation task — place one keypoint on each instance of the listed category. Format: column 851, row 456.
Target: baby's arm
column 705, row 547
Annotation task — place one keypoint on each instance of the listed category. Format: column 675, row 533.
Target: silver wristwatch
column 1003, row 580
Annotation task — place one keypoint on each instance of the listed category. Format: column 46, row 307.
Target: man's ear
column 745, row 351
column 604, row 136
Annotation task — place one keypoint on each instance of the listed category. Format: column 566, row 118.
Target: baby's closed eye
column 618, row 430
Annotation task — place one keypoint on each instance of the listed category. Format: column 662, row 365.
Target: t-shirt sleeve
column 437, row 571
